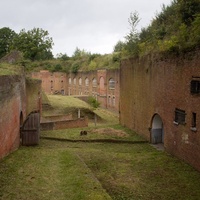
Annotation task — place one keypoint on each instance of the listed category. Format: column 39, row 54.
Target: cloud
column 93, row 25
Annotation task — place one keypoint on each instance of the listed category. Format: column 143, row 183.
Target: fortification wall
column 18, row 97
column 155, row 86
column 12, row 112
column 93, row 83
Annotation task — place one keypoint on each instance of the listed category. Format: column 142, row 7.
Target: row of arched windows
column 94, row 82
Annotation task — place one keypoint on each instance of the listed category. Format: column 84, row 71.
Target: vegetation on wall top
column 175, row 29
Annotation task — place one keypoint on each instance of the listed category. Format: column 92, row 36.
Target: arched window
column 86, row 82
column 74, row 81
column 111, row 84
column 94, row 82
column 80, row 81
column 70, row 81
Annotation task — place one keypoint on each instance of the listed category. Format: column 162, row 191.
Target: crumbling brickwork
column 161, row 87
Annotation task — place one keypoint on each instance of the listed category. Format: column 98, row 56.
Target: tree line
column 35, row 44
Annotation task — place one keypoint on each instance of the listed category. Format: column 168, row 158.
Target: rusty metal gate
column 31, row 129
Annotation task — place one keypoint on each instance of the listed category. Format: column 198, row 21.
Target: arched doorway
column 157, row 130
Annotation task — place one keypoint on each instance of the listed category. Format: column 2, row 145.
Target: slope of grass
column 69, row 104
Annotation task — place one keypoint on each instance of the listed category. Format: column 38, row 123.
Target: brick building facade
column 160, row 99
column 102, row 84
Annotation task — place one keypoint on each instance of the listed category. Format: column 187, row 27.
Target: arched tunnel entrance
column 157, row 130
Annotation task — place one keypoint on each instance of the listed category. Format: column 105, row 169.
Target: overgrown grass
column 60, row 170
column 93, row 171
column 7, row 69
column 115, row 132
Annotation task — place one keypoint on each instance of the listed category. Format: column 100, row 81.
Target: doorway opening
column 157, row 130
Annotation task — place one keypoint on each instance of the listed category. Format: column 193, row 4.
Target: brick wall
column 82, row 83
column 157, row 86
column 56, row 118
column 76, row 123
column 12, row 112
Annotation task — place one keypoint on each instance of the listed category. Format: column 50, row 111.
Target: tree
column 6, row 39
column 132, row 37
column 119, row 46
column 35, row 44
column 95, row 104
column 63, row 57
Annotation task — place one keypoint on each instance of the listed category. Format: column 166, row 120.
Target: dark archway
column 157, row 130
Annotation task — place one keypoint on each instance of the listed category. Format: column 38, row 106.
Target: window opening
column 74, row 81
column 86, row 82
column 94, row 82
column 179, row 116
column 70, row 81
column 111, row 84
column 194, row 119
column 80, row 81
column 195, row 87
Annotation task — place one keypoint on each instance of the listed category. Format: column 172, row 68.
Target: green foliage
column 35, row 44
column 6, row 40
column 174, row 29
column 93, row 102
column 63, row 57
column 119, row 46
column 75, row 68
column 92, row 65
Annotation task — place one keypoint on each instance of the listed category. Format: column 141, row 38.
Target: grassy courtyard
column 67, row 170
column 85, row 170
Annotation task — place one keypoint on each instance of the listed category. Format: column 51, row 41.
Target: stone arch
column 157, row 129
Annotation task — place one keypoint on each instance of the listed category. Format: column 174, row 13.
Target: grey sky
column 93, row 25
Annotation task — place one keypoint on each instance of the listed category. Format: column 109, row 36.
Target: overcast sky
column 92, row 25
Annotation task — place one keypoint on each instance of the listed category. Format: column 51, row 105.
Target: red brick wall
column 56, row 118
column 52, row 82
column 75, row 123
column 13, row 105
column 155, row 85
column 108, row 98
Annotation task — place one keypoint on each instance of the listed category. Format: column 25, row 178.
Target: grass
column 62, row 170
column 69, row 104
column 7, row 69
column 114, row 132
